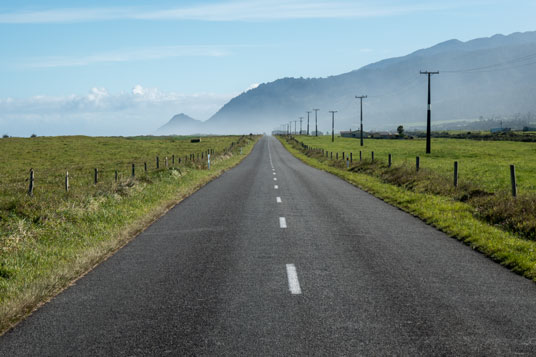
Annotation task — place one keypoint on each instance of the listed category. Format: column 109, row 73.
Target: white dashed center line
column 275, row 178
column 273, row 173
column 278, row 199
column 276, row 187
column 282, row 222
column 293, row 282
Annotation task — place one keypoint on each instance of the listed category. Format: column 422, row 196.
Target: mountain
column 481, row 77
column 181, row 124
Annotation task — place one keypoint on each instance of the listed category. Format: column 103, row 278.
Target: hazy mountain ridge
column 396, row 90
column 181, row 124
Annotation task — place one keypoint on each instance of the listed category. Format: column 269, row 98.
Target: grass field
column 485, row 164
column 480, row 211
column 54, row 236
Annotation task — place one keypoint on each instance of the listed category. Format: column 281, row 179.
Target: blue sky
column 125, row 67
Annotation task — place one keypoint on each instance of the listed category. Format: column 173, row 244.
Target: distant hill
column 181, row 124
column 482, row 77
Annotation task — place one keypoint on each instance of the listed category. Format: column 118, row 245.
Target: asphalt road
column 349, row 275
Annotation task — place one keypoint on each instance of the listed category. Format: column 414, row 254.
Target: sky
column 126, row 67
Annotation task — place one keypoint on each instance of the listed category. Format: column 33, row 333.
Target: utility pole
column 295, row 131
column 333, row 124
column 361, row 98
column 316, row 121
column 290, row 128
column 301, row 119
column 429, row 112
column 308, row 123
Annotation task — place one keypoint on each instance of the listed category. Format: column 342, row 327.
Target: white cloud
column 139, row 111
column 256, row 10
column 126, row 55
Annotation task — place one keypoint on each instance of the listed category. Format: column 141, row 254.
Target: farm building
column 351, row 134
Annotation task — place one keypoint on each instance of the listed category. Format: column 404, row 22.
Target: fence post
column 173, row 159
column 513, row 179
column 145, row 167
column 31, row 188
column 390, row 160
column 372, row 156
column 331, row 155
column 116, row 176
column 360, row 156
column 157, row 163
column 133, row 170
column 96, row 176
column 67, row 181
column 343, row 155
column 455, row 173
column 417, row 163
column 351, row 158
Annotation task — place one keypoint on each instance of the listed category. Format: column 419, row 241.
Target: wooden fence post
column 360, row 156
column 31, row 186
column 390, row 160
column 372, row 156
column 351, row 158
column 116, row 176
column 417, row 163
column 67, row 181
column 133, row 170
column 513, row 179
column 173, row 159
column 145, row 166
column 166, row 163
column 455, row 173
column 96, row 178
column 157, row 163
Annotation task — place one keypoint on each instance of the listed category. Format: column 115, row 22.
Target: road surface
column 278, row 258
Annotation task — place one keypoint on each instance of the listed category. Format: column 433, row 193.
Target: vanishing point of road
column 278, row 258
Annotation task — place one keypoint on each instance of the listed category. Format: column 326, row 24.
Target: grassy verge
column 454, row 217
column 52, row 238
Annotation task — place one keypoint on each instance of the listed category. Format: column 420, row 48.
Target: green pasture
column 483, row 163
